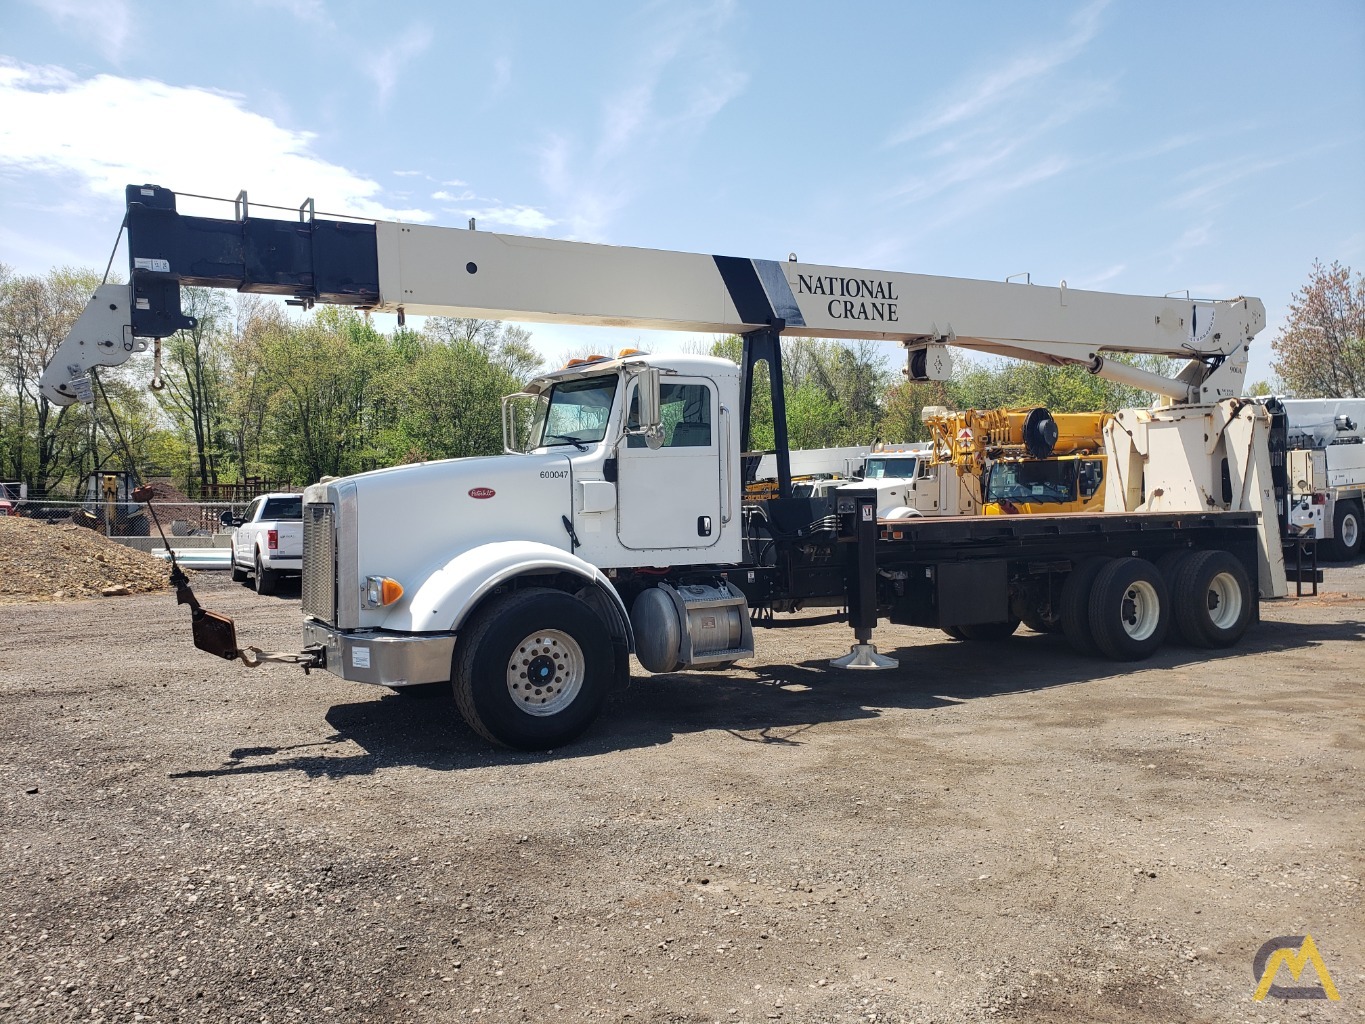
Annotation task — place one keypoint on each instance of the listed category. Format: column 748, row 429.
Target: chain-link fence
column 180, row 520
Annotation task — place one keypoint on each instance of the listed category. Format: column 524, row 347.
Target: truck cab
column 608, row 464
column 1064, row 483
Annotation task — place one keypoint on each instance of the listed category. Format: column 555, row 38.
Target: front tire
column 238, row 574
column 533, row 669
column 1347, row 533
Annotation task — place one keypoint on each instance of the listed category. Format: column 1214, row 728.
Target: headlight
column 381, row 591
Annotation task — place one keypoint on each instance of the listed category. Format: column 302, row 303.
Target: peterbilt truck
column 614, row 524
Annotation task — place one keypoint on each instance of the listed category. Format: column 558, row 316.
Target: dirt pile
column 51, row 562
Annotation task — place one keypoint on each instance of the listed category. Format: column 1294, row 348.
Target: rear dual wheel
column 1130, row 609
column 1212, row 598
column 1075, row 604
column 1347, row 532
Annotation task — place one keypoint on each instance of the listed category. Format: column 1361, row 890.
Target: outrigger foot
column 864, row 656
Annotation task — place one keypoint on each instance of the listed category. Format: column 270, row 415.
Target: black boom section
column 314, row 260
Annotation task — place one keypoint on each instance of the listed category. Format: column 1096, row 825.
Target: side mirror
column 647, row 394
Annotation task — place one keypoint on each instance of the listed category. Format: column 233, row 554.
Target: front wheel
column 533, row 669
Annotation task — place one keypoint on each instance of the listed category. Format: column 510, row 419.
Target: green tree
column 1321, row 351
column 505, row 346
column 36, row 313
column 320, row 377
column 195, row 375
column 451, row 403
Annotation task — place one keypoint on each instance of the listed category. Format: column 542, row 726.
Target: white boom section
column 442, row 271
column 448, row 271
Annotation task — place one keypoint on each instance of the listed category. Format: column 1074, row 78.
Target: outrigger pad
column 214, row 633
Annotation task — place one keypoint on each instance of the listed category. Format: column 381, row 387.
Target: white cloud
column 442, row 196
column 681, row 76
column 385, row 63
column 502, row 77
column 1011, row 79
column 520, row 218
column 106, row 23
column 991, row 135
column 1213, row 183
column 106, row 132
column 1099, row 277
column 312, row 12
column 1196, row 236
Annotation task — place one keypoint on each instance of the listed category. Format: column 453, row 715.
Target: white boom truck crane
column 1323, row 442
column 614, row 523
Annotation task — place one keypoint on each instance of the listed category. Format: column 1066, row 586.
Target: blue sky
column 1142, row 147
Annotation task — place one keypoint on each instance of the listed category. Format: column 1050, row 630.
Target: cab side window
column 685, row 410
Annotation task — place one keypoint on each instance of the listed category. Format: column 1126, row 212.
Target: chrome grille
column 319, row 562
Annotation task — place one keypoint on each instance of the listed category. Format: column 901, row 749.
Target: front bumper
column 383, row 658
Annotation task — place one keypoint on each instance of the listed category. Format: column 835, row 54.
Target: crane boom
column 425, row 270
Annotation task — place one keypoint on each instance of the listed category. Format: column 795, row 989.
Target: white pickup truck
column 268, row 541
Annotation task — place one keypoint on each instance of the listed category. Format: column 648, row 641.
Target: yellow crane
column 1028, row 461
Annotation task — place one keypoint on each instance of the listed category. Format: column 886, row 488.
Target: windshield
column 877, row 469
column 576, row 412
column 1038, row 482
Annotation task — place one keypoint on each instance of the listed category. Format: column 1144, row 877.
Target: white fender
column 443, row 602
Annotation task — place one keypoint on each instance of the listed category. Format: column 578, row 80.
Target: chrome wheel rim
column 1350, row 531
column 1141, row 610
column 1224, row 600
column 545, row 672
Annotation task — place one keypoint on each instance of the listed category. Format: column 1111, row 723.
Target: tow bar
column 217, row 634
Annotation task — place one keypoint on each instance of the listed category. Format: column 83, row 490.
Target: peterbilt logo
column 481, row 492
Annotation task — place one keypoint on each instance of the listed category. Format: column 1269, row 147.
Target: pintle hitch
column 217, row 634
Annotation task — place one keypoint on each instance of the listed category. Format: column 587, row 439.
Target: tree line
column 253, row 393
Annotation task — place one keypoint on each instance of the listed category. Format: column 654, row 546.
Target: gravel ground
column 990, row 832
